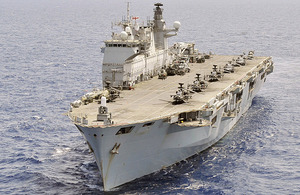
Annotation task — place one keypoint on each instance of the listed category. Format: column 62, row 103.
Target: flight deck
column 151, row 100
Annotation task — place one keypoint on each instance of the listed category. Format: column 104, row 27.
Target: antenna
column 128, row 17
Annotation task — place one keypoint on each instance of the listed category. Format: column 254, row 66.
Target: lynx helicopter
column 182, row 95
column 198, row 85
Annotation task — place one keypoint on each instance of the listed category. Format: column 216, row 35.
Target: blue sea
column 50, row 56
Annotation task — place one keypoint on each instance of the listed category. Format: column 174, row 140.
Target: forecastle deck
column 150, row 100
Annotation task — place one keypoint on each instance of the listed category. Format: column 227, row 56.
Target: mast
column 161, row 33
column 128, row 9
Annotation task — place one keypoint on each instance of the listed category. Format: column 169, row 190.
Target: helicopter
column 183, row 67
column 228, row 68
column 113, row 93
column 178, row 67
column 234, row 63
column 182, row 95
column 215, row 74
column 96, row 95
column 198, row 85
column 200, row 59
column 171, row 70
column 241, row 61
column 250, row 55
column 162, row 74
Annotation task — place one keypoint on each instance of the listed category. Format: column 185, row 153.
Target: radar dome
column 127, row 29
column 176, row 25
column 123, row 35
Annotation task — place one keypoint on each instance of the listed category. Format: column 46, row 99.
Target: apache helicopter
column 183, row 67
column 198, row 85
column 241, row 61
column 250, row 55
column 215, row 74
column 171, row 70
column 228, row 68
column 182, row 95
column 233, row 62
column 179, row 67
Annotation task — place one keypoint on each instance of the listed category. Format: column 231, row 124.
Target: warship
column 160, row 105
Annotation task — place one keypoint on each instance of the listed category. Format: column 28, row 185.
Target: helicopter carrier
column 161, row 104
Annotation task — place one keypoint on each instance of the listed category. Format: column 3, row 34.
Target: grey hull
column 146, row 149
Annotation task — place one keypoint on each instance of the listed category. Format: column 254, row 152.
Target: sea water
column 50, row 56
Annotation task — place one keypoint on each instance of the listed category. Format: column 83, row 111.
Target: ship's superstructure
column 156, row 123
column 141, row 50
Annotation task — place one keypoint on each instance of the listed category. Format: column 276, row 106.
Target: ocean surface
column 50, row 56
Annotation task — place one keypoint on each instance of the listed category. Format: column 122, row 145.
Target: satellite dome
column 127, row 29
column 123, row 35
column 176, row 25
